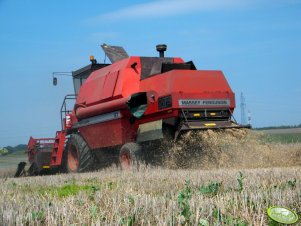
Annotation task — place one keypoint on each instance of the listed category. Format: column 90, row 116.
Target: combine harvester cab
column 134, row 101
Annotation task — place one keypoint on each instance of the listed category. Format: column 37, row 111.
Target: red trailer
column 135, row 100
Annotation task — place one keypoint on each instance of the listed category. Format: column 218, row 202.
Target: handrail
column 64, row 109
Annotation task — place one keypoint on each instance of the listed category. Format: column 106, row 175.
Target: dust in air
column 230, row 148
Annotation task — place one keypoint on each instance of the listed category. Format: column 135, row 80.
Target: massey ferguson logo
column 204, row 102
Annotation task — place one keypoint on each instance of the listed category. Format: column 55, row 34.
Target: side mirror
column 54, row 81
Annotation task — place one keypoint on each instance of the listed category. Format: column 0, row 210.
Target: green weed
column 183, row 201
column 211, row 189
column 110, row 185
column 37, row 215
column 223, row 219
column 128, row 221
column 67, row 190
column 240, row 180
column 71, row 189
column 291, row 183
column 131, row 200
column 94, row 211
column 203, row 222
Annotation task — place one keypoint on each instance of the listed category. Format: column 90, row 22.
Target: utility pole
column 243, row 109
column 249, row 117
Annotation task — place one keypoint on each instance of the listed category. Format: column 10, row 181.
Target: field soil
column 11, row 161
column 208, row 178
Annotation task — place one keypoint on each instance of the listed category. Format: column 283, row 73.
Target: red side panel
column 187, row 81
column 115, row 81
column 95, row 92
column 188, row 84
column 109, row 86
column 107, row 134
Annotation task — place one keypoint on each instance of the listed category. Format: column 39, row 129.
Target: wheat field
column 232, row 186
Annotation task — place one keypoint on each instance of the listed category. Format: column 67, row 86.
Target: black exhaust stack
column 161, row 48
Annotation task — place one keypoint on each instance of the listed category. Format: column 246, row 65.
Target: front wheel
column 130, row 156
column 78, row 156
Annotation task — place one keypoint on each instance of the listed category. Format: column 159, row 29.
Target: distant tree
column 3, row 151
column 19, row 147
column 10, row 149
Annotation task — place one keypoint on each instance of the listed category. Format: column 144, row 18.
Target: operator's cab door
column 80, row 75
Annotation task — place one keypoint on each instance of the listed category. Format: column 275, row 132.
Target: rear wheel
column 78, row 156
column 130, row 156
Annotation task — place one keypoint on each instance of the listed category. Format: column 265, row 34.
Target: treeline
column 279, row 127
column 18, row 148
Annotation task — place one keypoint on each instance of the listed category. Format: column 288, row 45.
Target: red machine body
column 134, row 100
column 108, row 90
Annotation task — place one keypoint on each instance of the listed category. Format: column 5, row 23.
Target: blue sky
column 256, row 43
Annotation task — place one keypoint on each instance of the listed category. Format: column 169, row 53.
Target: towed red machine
column 122, row 106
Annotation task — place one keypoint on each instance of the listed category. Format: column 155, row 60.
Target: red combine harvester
column 122, row 106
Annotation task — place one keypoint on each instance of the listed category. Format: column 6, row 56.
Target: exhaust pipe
column 161, row 48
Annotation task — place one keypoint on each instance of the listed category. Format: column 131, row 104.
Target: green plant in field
column 131, row 200
column 68, row 190
column 273, row 223
column 94, row 211
column 216, row 214
column 223, row 219
column 203, row 222
column 128, row 221
column 240, row 180
column 92, row 180
column 93, row 189
column 229, row 220
column 13, row 184
column 37, row 215
column 291, row 183
column 79, row 202
column 110, row 185
column 183, row 201
column 211, row 189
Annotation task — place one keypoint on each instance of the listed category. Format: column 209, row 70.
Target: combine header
column 121, row 107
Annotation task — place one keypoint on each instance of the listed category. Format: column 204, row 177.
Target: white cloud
column 165, row 8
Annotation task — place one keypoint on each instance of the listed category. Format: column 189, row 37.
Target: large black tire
column 78, row 156
column 130, row 156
